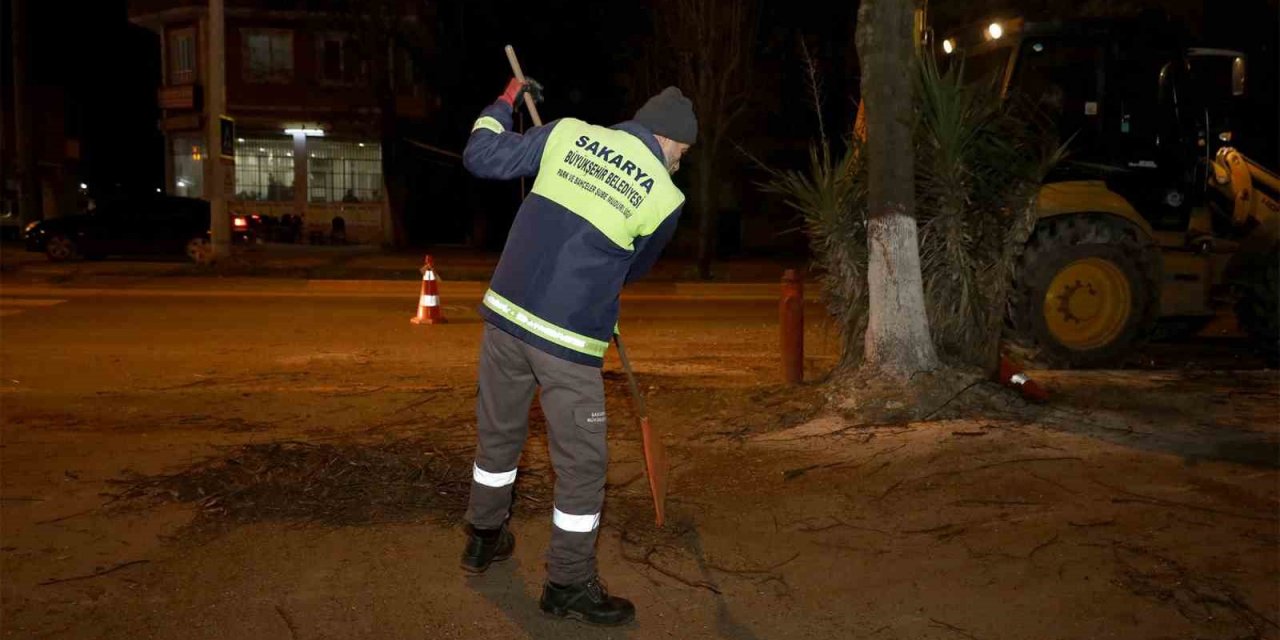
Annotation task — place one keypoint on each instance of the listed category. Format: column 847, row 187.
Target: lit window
column 182, row 56
column 344, row 171
column 188, row 167
column 268, row 55
column 264, row 169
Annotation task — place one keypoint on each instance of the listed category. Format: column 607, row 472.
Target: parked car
column 158, row 225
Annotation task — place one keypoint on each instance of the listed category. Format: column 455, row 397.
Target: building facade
column 299, row 87
column 39, row 142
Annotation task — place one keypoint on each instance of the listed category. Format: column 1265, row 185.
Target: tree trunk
column 705, row 206
column 24, row 147
column 897, row 339
column 393, row 171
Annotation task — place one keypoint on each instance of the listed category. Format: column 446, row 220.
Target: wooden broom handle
column 528, row 99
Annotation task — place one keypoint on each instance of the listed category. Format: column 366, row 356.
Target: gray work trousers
column 572, row 398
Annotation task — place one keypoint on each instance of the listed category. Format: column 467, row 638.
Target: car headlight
column 31, row 226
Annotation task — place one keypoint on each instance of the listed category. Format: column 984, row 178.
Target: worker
column 602, row 208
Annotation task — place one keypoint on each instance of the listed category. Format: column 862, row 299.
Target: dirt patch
column 395, row 481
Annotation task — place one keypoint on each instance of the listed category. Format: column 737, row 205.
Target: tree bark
column 704, row 203
column 393, row 170
column 898, row 342
column 708, row 53
column 24, row 148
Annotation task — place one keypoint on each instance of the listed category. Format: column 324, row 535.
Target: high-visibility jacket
column 601, row 210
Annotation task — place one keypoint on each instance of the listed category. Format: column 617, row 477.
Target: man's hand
column 515, row 91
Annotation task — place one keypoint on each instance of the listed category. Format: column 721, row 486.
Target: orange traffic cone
column 429, row 300
column 1012, row 375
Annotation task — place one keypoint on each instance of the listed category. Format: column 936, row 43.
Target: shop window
column 188, row 166
column 344, row 171
column 268, row 55
column 264, row 169
column 182, row 56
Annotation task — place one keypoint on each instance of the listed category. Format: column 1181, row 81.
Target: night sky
column 109, row 70
column 583, row 52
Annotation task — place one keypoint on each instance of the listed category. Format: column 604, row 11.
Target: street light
column 994, row 31
column 948, row 46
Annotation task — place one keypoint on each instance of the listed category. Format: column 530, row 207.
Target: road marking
column 15, row 306
column 29, row 302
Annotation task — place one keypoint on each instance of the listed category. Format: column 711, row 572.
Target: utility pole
column 215, row 104
column 24, row 151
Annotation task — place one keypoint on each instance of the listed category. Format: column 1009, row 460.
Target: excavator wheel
column 1086, row 291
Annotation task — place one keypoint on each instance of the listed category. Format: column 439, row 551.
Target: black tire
column 1257, row 307
column 1177, row 328
column 60, row 248
column 198, row 250
column 1059, row 242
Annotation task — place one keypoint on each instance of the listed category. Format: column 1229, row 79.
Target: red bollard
column 791, row 319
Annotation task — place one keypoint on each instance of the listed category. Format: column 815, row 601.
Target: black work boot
column 486, row 546
column 586, row 601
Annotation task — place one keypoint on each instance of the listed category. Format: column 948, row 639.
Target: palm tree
column 977, row 164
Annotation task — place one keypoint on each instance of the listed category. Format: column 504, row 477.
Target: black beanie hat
column 670, row 115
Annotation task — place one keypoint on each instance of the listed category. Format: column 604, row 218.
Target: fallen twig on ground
column 1043, row 545
column 996, row 503
column 959, row 393
column 288, row 622
column 956, row 472
column 768, row 569
column 1099, row 523
column 1145, row 499
column 352, row 394
column 68, row 516
column 95, row 574
column 890, row 490
column 837, row 523
column 950, row 627
column 430, row 395
column 647, row 560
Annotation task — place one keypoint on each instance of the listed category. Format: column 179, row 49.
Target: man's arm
column 648, row 248
column 497, row 152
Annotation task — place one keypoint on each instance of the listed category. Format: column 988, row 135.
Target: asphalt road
column 89, row 335
column 111, row 377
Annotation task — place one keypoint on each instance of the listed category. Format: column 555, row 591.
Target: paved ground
column 1140, row 504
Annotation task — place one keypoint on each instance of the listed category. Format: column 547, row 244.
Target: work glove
column 515, row 91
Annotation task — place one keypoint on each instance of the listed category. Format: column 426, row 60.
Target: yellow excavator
column 1154, row 214
column 1251, row 195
